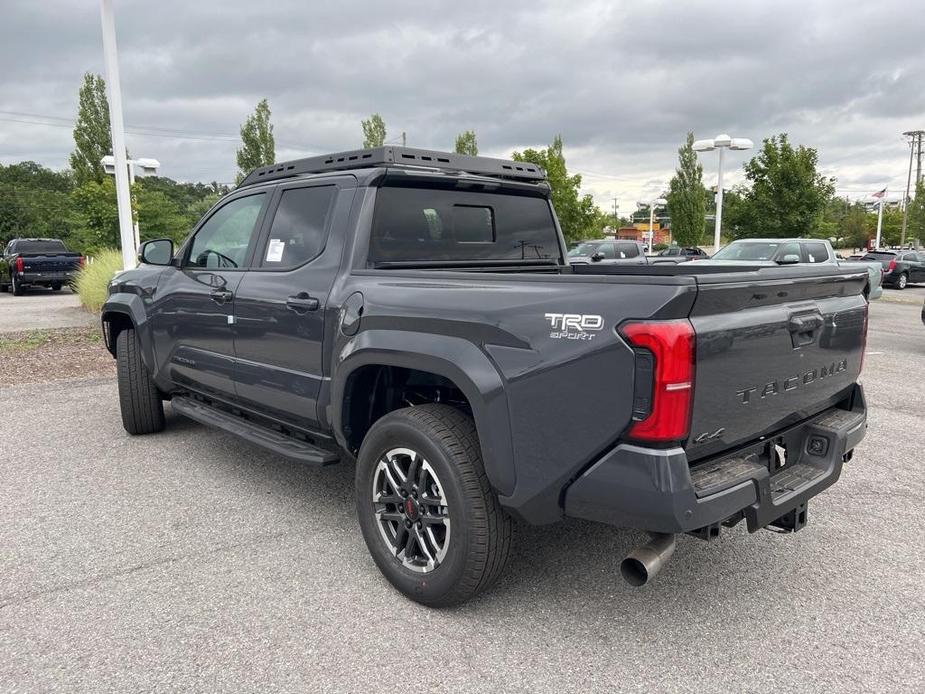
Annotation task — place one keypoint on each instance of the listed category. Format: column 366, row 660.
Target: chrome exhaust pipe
column 643, row 563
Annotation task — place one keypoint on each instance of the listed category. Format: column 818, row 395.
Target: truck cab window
column 223, row 240
column 299, row 229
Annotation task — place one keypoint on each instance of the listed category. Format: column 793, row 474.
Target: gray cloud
column 621, row 82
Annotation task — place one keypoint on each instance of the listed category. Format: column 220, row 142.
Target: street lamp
column 652, row 204
column 721, row 142
column 148, row 167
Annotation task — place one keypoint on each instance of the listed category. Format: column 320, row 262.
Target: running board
column 277, row 442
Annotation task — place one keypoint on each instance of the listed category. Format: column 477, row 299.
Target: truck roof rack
column 398, row 156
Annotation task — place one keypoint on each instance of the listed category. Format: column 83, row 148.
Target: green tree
column 786, row 195
column 687, row 197
column 466, row 143
column 576, row 212
column 916, row 221
column 92, row 136
column 94, row 218
column 258, row 147
column 857, row 226
column 373, row 131
column 34, row 201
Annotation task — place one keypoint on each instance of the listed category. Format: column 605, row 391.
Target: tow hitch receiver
column 791, row 521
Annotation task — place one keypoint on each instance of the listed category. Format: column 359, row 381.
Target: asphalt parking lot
column 190, row 561
column 41, row 308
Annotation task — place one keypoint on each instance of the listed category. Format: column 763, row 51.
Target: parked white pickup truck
column 794, row 252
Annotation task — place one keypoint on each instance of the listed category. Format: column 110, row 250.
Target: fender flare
column 453, row 358
column 132, row 307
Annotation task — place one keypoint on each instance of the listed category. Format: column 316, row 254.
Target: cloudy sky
column 621, row 81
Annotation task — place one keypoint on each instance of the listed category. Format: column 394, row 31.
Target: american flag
column 879, row 194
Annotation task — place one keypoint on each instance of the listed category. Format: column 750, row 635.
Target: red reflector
column 672, row 346
column 20, row 266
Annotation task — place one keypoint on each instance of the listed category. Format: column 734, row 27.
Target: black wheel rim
column 411, row 510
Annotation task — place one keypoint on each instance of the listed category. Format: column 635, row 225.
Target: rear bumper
column 656, row 490
column 45, row 278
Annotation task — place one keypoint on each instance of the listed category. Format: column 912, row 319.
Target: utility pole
column 915, row 143
column 615, row 222
column 404, row 139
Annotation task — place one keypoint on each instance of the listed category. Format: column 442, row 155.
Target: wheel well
column 113, row 324
column 374, row 390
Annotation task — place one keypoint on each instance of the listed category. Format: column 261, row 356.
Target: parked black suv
column 414, row 311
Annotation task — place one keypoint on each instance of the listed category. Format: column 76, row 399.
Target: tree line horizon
column 784, row 194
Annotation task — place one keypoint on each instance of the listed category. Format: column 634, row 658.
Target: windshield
column 748, row 251
column 583, row 250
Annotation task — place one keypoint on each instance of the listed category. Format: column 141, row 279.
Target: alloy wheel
column 411, row 510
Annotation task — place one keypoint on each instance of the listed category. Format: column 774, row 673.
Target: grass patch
column 30, row 340
column 92, row 281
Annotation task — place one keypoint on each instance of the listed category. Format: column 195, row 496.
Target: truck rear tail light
column 20, row 265
column 892, row 265
column 83, row 261
column 672, row 348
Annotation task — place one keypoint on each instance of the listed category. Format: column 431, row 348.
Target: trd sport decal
column 574, row 326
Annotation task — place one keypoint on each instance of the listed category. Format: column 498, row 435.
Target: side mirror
column 789, row 259
column 597, row 257
column 156, row 252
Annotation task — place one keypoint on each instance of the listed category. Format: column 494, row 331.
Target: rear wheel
column 430, row 519
column 139, row 399
column 15, row 286
column 903, row 281
column 56, row 287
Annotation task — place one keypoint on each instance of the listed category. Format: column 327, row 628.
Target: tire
column 902, row 281
column 139, row 399
column 56, row 287
column 477, row 535
column 15, row 286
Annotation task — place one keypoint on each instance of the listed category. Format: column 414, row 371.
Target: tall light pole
column 652, row 204
column 721, row 142
column 123, row 201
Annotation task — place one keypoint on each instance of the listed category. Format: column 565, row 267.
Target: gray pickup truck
column 414, row 312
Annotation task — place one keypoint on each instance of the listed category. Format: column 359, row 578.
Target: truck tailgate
column 51, row 264
column 773, row 347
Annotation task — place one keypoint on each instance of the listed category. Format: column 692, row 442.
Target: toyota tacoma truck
column 37, row 263
column 413, row 312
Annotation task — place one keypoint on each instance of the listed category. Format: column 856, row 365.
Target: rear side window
column 299, row 229
column 418, row 224
column 47, row 246
column 627, row 250
column 816, row 253
column 912, row 257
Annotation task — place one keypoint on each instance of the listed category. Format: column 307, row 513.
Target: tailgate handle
column 803, row 329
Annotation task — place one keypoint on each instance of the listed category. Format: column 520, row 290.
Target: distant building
column 640, row 232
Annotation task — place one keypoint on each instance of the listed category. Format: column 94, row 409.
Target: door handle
column 302, row 303
column 221, row 296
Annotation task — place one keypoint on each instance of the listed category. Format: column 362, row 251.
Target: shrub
column 659, row 247
column 92, row 281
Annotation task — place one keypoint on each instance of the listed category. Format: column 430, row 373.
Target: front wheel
column 428, row 515
column 139, row 398
column 903, row 281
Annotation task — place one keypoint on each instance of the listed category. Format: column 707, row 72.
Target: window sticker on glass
column 275, row 250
